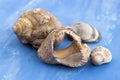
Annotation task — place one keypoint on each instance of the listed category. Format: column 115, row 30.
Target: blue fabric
column 20, row 62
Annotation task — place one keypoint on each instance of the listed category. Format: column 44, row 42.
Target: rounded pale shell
column 101, row 55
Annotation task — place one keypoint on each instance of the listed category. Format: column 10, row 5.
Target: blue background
column 20, row 62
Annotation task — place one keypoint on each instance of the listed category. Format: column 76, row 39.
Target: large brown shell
column 33, row 26
column 73, row 56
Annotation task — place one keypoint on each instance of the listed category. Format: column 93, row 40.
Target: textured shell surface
column 74, row 55
column 33, row 26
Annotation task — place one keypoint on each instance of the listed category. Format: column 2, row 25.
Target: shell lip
column 97, row 40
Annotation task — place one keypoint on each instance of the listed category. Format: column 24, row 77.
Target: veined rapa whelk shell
column 87, row 32
column 33, row 26
column 101, row 55
column 73, row 56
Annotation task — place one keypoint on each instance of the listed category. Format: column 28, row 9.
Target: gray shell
column 86, row 32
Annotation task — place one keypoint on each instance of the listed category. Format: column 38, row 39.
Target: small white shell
column 101, row 55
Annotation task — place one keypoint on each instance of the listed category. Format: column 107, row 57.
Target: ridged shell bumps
column 73, row 56
column 33, row 26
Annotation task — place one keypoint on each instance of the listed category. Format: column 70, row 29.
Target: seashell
column 74, row 55
column 101, row 55
column 86, row 32
column 33, row 26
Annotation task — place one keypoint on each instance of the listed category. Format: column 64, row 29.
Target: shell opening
column 67, row 41
column 68, row 48
column 70, row 55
